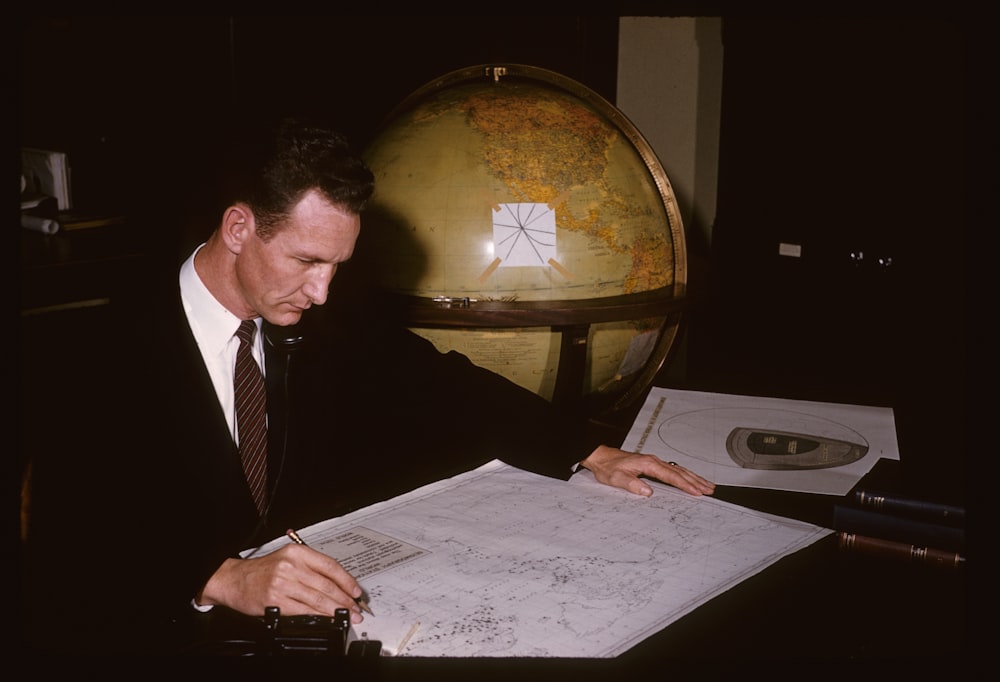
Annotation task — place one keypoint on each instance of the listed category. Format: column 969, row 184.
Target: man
column 358, row 409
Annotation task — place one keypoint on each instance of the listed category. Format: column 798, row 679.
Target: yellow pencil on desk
column 362, row 602
column 406, row 638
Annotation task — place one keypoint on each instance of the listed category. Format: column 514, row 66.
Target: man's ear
column 237, row 226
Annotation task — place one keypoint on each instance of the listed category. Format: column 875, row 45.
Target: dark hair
column 272, row 173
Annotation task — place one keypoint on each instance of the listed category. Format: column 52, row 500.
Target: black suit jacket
column 140, row 495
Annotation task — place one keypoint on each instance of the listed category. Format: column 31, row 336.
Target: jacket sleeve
column 442, row 410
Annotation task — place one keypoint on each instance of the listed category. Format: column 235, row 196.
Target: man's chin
column 286, row 319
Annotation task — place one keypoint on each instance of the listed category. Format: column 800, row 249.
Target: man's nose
column 317, row 287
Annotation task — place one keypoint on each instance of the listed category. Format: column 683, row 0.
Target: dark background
column 846, row 135
column 156, row 93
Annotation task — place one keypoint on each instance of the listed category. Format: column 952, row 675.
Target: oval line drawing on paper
column 760, row 438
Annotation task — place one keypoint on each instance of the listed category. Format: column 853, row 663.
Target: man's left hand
column 622, row 469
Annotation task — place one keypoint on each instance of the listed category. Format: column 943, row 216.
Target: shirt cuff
column 202, row 609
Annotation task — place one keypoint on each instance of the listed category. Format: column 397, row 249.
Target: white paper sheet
column 498, row 562
column 524, row 235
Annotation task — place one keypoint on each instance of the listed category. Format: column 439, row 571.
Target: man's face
column 292, row 272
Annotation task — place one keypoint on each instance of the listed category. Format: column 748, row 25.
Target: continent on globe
column 530, row 222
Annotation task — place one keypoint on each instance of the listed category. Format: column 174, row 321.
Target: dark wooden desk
column 819, row 613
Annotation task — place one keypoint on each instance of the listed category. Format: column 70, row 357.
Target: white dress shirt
column 214, row 329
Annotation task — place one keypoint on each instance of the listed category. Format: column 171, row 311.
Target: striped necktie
column 251, row 415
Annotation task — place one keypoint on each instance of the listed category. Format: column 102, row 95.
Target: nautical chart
column 498, row 562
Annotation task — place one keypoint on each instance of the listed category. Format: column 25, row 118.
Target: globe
column 528, row 225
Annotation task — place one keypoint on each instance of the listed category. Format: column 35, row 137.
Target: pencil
column 406, row 638
column 362, row 602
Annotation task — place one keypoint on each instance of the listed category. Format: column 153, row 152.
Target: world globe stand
column 572, row 320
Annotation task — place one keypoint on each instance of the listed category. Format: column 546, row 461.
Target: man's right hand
column 297, row 579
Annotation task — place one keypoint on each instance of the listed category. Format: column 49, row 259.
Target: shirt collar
column 213, row 325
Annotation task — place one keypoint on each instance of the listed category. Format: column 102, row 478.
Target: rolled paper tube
column 37, row 224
